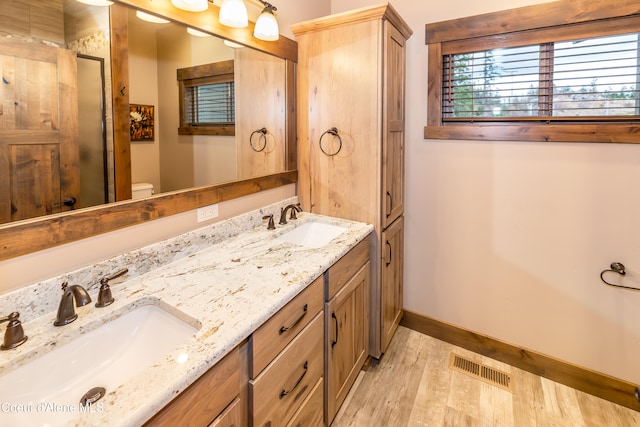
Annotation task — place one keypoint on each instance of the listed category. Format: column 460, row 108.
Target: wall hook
column 122, row 90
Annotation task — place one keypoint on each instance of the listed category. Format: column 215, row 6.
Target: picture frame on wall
column 142, row 122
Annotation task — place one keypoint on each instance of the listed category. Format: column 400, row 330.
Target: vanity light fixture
column 191, row 5
column 233, row 13
column 267, row 26
column 150, row 18
column 96, row 2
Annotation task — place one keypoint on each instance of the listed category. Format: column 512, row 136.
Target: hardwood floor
column 412, row 385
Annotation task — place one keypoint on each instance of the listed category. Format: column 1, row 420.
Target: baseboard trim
column 583, row 379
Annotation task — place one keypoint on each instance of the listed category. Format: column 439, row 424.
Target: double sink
column 74, row 377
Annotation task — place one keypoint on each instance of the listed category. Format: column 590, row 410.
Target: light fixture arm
column 268, row 7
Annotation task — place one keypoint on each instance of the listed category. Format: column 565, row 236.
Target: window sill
column 608, row 133
column 206, row 130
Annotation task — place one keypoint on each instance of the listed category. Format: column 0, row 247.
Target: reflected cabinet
column 351, row 127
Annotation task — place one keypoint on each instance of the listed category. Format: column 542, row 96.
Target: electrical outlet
column 207, row 212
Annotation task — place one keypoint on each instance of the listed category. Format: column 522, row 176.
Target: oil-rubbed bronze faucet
column 14, row 335
column 66, row 310
column 271, row 225
column 283, row 213
column 104, row 296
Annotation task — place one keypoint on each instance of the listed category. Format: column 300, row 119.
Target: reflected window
column 207, row 99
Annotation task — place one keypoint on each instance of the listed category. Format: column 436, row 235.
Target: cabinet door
column 39, row 131
column 347, row 342
column 206, row 398
column 393, row 126
column 392, row 266
column 342, row 90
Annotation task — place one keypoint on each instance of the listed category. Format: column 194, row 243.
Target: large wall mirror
column 92, row 105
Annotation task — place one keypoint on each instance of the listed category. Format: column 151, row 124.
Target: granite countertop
column 226, row 290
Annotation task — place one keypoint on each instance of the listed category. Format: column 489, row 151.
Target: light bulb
column 197, row 33
column 233, row 13
column 96, row 2
column 266, row 26
column 150, row 18
column 191, row 5
column 232, row 44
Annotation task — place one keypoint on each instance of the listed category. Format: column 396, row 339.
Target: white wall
column 143, row 89
column 508, row 238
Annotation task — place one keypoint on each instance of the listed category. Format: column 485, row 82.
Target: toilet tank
column 140, row 190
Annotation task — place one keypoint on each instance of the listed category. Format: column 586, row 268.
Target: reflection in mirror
column 53, row 129
column 203, row 154
column 47, row 41
column 57, row 150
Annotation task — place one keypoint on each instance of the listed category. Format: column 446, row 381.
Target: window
column 207, row 99
column 575, row 81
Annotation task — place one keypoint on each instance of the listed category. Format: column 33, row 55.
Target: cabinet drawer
column 231, row 417
column 206, row 398
column 340, row 272
column 311, row 412
column 278, row 392
column 277, row 332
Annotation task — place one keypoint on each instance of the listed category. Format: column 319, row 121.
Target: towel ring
column 616, row 267
column 263, row 137
column 333, row 131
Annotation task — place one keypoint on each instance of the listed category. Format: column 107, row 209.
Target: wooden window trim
column 217, row 72
column 512, row 26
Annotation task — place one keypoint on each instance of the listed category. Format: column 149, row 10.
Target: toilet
column 140, row 190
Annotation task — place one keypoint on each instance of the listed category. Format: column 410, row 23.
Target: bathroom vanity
column 266, row 310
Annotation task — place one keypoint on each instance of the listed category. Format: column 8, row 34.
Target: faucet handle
column 104, row 296
column 271, row 225
column 14, row 335
column 294, row 209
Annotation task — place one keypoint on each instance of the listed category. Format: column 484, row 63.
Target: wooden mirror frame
column 27, row 236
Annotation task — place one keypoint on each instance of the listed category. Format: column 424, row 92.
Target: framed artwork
column 141, row 127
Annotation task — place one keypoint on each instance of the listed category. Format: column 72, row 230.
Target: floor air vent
column 482, row 372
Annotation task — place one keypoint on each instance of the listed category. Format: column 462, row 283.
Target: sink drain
column 92, row 396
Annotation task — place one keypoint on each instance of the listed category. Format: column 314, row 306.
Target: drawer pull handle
column 390, row 204
column 283, row 393
column 334, row 342
column 284, row 329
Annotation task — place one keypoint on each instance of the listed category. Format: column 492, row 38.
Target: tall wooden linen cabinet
column 351, row 125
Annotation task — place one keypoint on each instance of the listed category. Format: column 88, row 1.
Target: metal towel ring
column 263, row 137
column 333, row 131
column 616, row 267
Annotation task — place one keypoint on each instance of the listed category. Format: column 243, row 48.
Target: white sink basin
column 105, row 357
column 312, row 234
